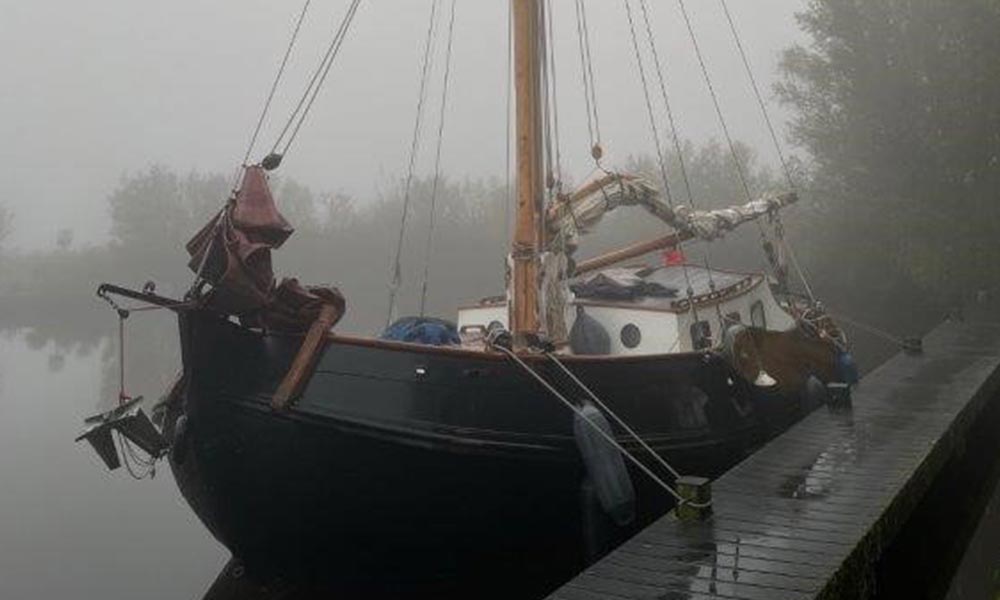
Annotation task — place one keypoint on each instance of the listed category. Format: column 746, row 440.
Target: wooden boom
column 629, row 252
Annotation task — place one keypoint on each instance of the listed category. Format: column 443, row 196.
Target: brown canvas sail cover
column 233, row 253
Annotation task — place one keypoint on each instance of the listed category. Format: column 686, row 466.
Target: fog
column 122, row 123
column 92, row 92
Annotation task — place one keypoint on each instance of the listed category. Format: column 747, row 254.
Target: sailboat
column 458, row 451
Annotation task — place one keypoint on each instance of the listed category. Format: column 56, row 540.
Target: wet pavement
column 810, row 514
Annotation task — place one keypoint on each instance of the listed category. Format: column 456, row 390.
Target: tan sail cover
column 578, row 213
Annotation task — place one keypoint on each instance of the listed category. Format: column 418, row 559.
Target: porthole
column 631, row 336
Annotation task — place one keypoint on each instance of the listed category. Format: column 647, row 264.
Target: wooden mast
column 524, row 312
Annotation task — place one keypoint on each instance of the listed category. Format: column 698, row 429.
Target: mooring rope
column 274, row 84
column 871, row 329
column 607, row 437
column 612, row 414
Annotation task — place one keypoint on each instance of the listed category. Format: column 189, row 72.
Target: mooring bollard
column 839, row 397
column 696, row 495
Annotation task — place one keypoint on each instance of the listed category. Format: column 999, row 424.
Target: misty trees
column 6, row 219
column 158, row 207
column 341, row 241
column 898, row 104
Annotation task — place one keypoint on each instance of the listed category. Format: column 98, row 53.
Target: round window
column 631, row 336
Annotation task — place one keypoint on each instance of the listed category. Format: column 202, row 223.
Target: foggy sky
column 92, row 91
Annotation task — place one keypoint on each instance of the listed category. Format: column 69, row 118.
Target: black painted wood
column 808, row 515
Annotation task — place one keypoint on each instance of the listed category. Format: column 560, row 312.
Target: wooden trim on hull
column 497, row 357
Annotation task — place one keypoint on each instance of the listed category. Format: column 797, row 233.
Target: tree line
column 338, row 240
column 896, row 114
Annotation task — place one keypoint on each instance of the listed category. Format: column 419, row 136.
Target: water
column 978, row 575
column 68, row 528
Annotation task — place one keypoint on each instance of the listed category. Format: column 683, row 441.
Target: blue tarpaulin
column 423, row 330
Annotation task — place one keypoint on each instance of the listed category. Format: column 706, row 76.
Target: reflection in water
column 69, row 528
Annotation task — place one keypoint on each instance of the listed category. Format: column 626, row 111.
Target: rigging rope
column 737, row 38
column 305, row 103
column 756, row 90
column 508, row 199
column 137, row 467
column 715, row 100
column 555, row 87
column 397, row 274
column 550, row 86
column 740, row 171
column 277, row 80
column 612, row 414
column 122, row 397
column 589, row 87
column 656, row 135
column 649, row 106
column 437, row 160
column 542, row 40
column 678, row 150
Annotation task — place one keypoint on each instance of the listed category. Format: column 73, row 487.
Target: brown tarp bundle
column 233, row 253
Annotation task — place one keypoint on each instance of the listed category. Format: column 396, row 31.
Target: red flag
column 674, row 257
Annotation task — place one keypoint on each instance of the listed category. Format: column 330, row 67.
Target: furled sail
column 232, row 252
column 579, row 212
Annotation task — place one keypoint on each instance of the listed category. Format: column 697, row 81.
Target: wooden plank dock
column 816, row 512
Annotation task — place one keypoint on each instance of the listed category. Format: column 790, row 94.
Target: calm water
column 68, row 528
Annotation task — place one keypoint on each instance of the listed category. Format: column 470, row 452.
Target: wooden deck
column 812, row 514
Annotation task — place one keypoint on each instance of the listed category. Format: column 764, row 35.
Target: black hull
column 404, row 464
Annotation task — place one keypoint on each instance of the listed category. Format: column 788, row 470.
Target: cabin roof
column 661, row 288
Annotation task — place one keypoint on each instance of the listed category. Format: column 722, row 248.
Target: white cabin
column 645, row 310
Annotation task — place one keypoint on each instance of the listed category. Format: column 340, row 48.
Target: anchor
column 131, row 421
column 128, row 419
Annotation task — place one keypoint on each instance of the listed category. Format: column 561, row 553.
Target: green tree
column 898, row 104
